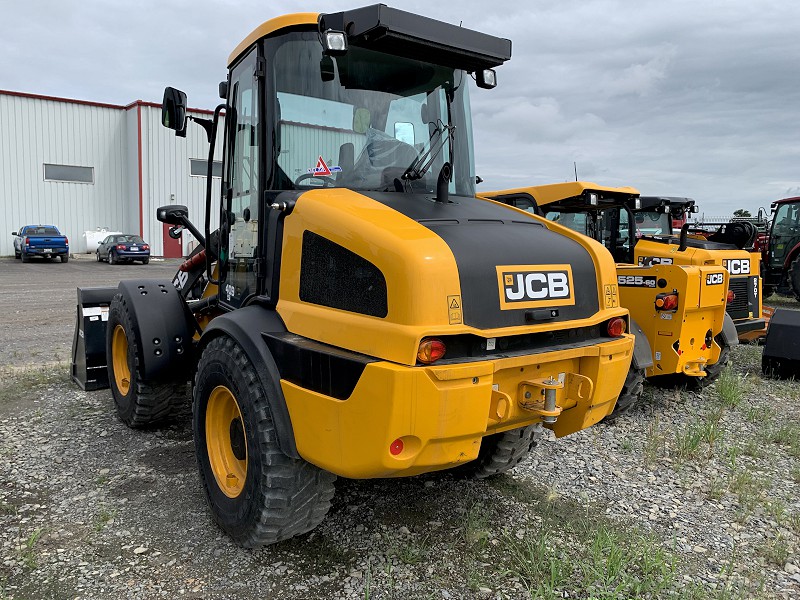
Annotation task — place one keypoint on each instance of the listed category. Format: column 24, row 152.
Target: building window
column 68, row 173
column 199, row 167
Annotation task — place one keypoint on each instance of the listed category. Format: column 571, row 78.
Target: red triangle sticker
column 321, row 168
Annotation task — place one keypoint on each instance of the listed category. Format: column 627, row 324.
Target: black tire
column 139, row 404
column 25, row 258
column 714, row 371
column 16, row 254
column 145, row 261
column 793, row 276
column 97, row 254
column 501, row 452
column 112, row 258
column 64, row 258
column 629, row 396
column 767, row 291
column 270, row 497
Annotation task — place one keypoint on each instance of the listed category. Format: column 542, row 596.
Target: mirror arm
column 206, row 124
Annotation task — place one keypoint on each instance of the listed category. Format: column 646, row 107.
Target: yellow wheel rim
column 119, row 358
column 226, row 442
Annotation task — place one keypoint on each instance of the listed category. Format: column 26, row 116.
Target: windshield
column 653, row 223
column 128, row 239
column 365, row 119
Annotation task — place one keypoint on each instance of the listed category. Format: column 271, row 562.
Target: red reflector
column 616, row 327
column 731, row 297
column 430, row 350
column 396, row 447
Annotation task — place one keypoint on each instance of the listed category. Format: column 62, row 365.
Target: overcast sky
column 698, row 99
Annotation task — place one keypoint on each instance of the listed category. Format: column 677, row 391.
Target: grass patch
column 476, row 529
column 775, row 551
column 604, row 562
column 102, row 519
column 20, row 383
column 730, row 388
column 27, row 550
column 655, row 442
column 414, row 551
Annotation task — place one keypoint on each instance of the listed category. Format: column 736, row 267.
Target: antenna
column 575, row 166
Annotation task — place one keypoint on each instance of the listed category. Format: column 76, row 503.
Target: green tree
column 741, row 212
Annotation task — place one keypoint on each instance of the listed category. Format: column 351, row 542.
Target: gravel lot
column 689, row 496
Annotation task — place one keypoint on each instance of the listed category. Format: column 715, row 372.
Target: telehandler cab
column 677, row 312
column 364, row 314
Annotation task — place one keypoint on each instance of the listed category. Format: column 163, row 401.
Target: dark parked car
column 123, row 248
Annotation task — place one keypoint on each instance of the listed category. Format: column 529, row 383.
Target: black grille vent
column 331, row 275
column 738, row 309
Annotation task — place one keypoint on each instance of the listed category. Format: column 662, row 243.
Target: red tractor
column 780, row 250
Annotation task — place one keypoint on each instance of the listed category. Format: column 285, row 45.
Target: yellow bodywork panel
column 553, row 192
column 678, row 338
column 441, row 413
column 741, row 264
column 421, row 273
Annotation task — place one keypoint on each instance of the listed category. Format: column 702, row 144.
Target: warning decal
column 322, row 169
column 454, row 309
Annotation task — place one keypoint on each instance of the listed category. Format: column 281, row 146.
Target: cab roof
column 271, row 26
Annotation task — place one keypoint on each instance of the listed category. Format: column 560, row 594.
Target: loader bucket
column 781, row 357
column 89, row 366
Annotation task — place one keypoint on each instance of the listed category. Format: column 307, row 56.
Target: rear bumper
column 441, row 413
column 45, row 251
column 132, row 255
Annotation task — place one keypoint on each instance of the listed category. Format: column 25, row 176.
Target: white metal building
column 84, row 166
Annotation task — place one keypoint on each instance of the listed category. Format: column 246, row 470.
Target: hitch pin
column 550, row 401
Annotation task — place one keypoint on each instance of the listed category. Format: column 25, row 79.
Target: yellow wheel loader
column 677, row 312
column 725, row 246
column 359, row 312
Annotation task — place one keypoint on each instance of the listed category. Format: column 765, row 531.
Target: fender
column 163, row 328
column 642, row 353
column 245, row 326
column 792, row 254
column 728, row 332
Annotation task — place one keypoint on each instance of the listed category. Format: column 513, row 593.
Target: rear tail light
column 121, row 247
column 731, row 297
column 27, row 241
column 66, row 241
column 430, row 350
column 667, row 301
column 616, row 327
column 145, row 247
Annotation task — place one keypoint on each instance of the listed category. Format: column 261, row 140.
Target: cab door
column 785, row 234
column 240, row 222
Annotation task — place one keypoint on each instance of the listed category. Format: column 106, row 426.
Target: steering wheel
column 326, row 181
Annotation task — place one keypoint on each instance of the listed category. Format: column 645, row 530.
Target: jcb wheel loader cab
column 678, row 311
column 373, row 324
column 658, row 243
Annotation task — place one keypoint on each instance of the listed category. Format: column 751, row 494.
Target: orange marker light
column 430, row 350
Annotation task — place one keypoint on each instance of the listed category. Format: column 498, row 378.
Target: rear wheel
column 145, row 261
column 139, row 404
column 16, row 254
column 501, row 452
column 794, row 277
column 715, row 370
column 256, row 493
column 64, row 258
column 25, row 258
column 112, row 257
column 630, row 394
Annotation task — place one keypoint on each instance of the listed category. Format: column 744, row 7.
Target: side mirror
column 13, row 233
column 174, row 214
column 173, row 110
column 223, row 90
column 327, row 72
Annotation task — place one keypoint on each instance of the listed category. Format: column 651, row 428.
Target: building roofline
column 133, row 104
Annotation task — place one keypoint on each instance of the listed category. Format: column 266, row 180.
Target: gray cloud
column 678, row 98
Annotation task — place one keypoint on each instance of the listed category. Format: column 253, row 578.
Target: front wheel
column 630, row 394
column 256, row 493
column 139, row 403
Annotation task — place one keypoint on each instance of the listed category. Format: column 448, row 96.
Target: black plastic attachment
column 173, row 111
column 89, row 364
column 782, row 345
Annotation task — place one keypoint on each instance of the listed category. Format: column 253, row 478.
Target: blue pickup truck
column 40, row 240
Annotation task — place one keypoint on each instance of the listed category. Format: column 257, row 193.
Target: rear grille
column 738, row 309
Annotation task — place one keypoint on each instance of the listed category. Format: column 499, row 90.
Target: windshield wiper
column 418, row 168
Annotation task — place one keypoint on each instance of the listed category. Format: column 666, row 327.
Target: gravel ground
column 689, row 495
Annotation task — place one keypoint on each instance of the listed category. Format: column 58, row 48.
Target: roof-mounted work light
column 334, row 42
column 486, row 79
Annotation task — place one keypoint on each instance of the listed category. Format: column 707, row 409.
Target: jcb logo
column 715, row 278
column 646, row 261
column 737, row 266
column 532, row 286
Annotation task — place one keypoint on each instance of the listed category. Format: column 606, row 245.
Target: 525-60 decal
column 645, row 281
